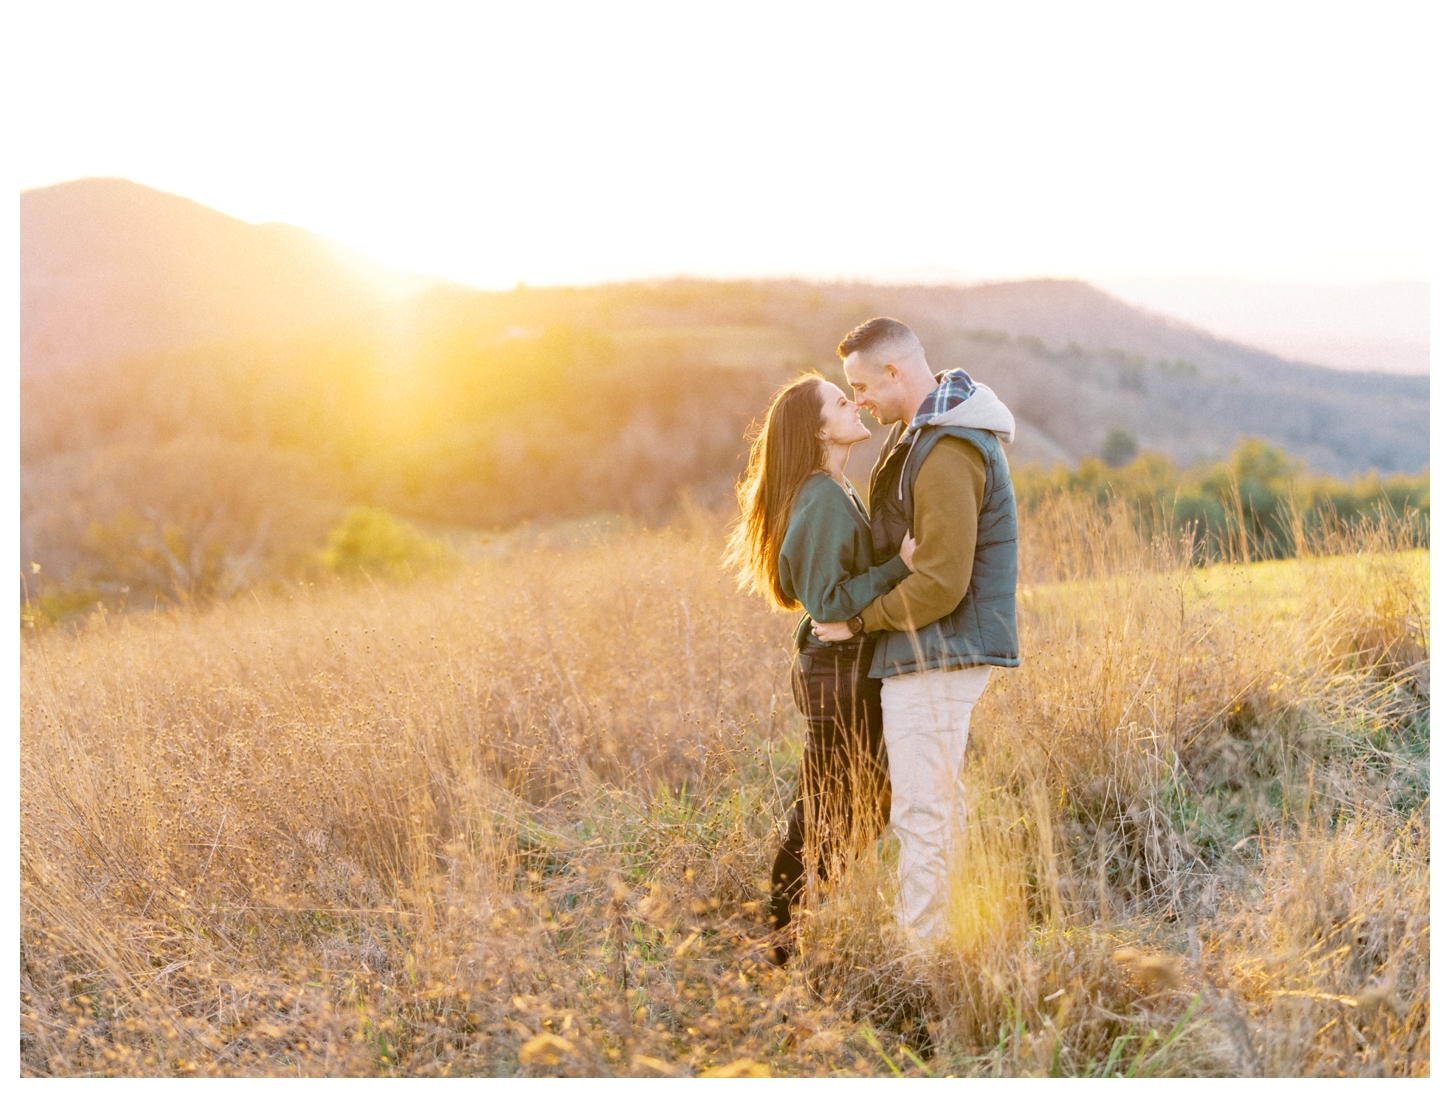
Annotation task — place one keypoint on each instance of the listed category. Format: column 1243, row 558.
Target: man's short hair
column 877, row 333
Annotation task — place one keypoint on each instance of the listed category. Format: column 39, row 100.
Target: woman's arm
column 841, row 630
column 817, row 554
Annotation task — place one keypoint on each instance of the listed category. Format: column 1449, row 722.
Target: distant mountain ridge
column 109, row 268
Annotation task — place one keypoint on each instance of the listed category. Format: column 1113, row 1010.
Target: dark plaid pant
column 844, row 794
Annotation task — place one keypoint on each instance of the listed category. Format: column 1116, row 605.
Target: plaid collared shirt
column 953, row 387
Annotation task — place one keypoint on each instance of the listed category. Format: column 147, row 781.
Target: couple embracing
column 909, row 604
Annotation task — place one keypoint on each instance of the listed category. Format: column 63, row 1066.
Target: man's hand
column 832, row 631
column 908, row 551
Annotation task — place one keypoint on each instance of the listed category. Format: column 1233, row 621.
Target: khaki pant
column 926, row 716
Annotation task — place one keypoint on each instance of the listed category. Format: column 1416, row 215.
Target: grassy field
column 516, row 819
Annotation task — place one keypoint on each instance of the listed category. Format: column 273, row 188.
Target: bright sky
column 549, row 143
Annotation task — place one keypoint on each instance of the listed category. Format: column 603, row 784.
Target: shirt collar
column 953, row 387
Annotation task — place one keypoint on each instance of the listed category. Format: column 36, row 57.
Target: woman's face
column 840, row 417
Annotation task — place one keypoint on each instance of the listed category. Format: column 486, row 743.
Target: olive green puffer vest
column 983, row 627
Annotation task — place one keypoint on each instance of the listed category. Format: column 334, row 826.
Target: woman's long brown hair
column 783, row 454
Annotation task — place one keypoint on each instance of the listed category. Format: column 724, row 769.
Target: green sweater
column 825, row 556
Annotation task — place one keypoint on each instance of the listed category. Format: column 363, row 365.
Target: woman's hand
column 832, row 630
column 908, row 550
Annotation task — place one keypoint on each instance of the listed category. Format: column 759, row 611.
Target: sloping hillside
column 199, row 385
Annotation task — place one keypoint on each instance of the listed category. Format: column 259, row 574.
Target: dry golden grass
column 516, row 820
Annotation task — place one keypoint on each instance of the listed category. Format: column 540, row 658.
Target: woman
column 804, row 541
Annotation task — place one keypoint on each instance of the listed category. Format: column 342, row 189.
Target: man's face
column 877, row 389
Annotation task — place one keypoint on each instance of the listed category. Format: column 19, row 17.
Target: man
column 942, row 475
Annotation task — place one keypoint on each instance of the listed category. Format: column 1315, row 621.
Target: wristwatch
column 856, row 625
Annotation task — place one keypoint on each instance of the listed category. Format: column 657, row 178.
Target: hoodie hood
column 980, row 409
column 983, row 410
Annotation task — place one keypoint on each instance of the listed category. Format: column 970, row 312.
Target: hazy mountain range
column 169, row 351
column 1380, row 326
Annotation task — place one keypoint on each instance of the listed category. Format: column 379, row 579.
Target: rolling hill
column 188, row 376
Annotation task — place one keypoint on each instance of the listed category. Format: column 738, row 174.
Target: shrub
column 150, row 557
column 56, row 602
column 1120, row 447
column 370, row 540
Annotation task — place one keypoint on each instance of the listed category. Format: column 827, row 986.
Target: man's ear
column 890, row 370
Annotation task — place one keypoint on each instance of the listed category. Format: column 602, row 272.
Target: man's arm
column 947, row 500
